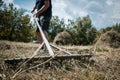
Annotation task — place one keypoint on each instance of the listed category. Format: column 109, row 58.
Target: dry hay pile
column 4, row 45
column 62, row 38
column 109, row 39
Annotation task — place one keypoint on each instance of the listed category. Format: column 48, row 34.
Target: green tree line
column 81, row 30
column 15, row 25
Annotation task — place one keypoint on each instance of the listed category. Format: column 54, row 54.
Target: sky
column 103, row 13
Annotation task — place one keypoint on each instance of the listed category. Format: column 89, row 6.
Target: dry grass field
column 103, row 65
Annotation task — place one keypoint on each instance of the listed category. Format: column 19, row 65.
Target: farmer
column 44, row 13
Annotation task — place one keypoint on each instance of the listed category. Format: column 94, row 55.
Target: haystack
column 63, row 38
column 110, row 39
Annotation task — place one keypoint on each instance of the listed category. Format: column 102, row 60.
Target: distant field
column 104, row 65
column 18, row 49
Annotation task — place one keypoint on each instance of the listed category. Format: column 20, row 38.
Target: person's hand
column 36, row 14
column 32, row 10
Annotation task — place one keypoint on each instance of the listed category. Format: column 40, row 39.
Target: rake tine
column 44, row 39
column 60, row 49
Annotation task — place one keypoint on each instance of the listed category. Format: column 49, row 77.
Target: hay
column 4, row 45
column 63, row 38
column 109, row 39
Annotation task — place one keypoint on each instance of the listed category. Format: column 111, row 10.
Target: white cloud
column 67, row 9
column 102, row 12
column 17, row 6
column 109, row 2
column 75, row 8
column 11, row 1
column 116, row 16
column 59, row 9
column 8, row 1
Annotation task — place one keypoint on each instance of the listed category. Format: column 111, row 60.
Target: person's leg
column 44, row 23
column 39, row 37
column 46, row 35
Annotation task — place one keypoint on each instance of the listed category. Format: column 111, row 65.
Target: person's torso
column 48, row 12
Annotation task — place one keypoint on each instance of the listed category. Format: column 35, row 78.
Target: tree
column 91, row 35
column 83, row 33
column 116, row 27
column 5, row 22
column 15, row 25
column 1, row 3
column 56, row 26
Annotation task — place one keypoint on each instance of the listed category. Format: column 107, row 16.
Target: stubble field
column 103, row 65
